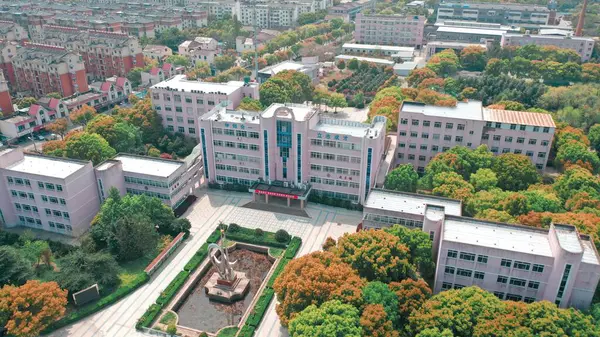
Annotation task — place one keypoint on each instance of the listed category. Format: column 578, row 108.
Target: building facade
column 426, row 130
column 506, row 14
column 181, row 102
column 200, row 49
column 514, row 262
column 293, row 144
column 41, row 69
column 396, row 30
column 156, row 52
column 584, row 46
column 6, row 105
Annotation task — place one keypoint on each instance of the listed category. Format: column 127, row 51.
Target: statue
column 223, row 265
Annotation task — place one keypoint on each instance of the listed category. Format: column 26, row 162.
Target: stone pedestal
column 224, row 291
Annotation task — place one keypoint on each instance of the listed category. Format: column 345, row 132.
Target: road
column 212, row 207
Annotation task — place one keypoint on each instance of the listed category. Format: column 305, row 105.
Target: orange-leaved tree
column 411, row 296
column 375, row 322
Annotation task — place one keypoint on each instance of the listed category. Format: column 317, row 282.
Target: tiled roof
column 518, row 117
column 154, row 71
column 33, row 109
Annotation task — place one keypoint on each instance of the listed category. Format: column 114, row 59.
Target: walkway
column 212, row 207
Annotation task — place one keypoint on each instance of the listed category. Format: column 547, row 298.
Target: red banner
column 275, row 194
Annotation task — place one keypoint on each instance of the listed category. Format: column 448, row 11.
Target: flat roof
column 466, row 110
column 465, row 30
column 351, row 128
column 518, row 117
column 46, row 166
column 568, row 239
column 180, row 83
column 148, row 165
column 589, row 252
column 378, row 47
column 551, row 37
column 516, row 238
column 368, row 59
column 279, row 67
column 222, row 114
column 299, row 111
column 409, row 203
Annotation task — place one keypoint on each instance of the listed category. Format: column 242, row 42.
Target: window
column 192, row 130
column 467, row 256
column 517, row 282
column 506, row 263
column 458, row 139
column 546, row 130
column 402, row 133
column 522, row 265
column 40, row 184
column 529, row 299
column 10, row 180
column 56, row 213
column 536, row 129
column 541, row 154
column 479, row 275
column 508, row 139
column 513, row 126
column 460, row 127
column 415, row 122
column 452, row 253
column 449, row 270
column 506, row 150
column 520, row 140
column 482, row 258
column 435, row 148
column 446, row 286
column 413, row 134
column 544, row 143
column 423, row 147
column 44, row 198
column 437, row 125
column 412, row 146
column 485, row 136
column 498, row 125
column 426, row 123
column 498, row 294
column 533, row 285
column 447, row 138
column 449, row 125
column 425, row 135
column 31, row 196
column 522, row 127
column 532, row 141
column 59, row 188
column 404, row 121
column 411, row 157
column 422, row 158
column 513, row 297
column 497, row 137
column 436, row 136
column 18, row 206
column 529, row 153
column 502, row 279
column 464, row 272
column 431, row 235
column 538, row 268
column 401, row 145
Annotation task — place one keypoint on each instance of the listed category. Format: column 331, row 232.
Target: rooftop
column 465, row 30
column 352, row 128
column 454, row 44
column 180, row 83
column 518, row 117
column 378, row 47
column 465, row 110
column 300, row 112
column 151, row 166
column 222, row 114
column 279, row 67
column 517, row 238
column 409, row 203
column 514, row 6
column 46, row 166
column 368, row 59
column 552, row 37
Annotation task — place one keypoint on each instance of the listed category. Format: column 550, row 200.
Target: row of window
column 45, row 198
column 509, row 139
column 333, row 182
column 240, row 169
column 234, row 180
column 233, row 145
column 177, row 98
column 450, row 126
column 29, row 221
column 522, row 127
column 26, row 207
column 238, row 157
column 236, row 133
column 41, row 185
column 518, row 282
column 391, row 220
column 513, row 297
column 538, row 268
column 336, row 195
column 464, row 272
column 331, row 169
column 148, row 193
column 335, row 144
column 181, row 129
column 146, row 182
column 331, row 156
column 180, row 119
column 459, row 139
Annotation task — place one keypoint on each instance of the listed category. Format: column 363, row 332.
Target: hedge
column 248, row 236
column 149, row 316
column 172, row 288
column 293, row 248
column 100, row 304
column 247, row 331
column 260, row 308
column 197, row 259
column 214, row 237
column 277, row 271
column 347, row 204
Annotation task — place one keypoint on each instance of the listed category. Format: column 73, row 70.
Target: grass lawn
column 228, row 332
column 275, row 252
column 132, row 269
column 169, row 318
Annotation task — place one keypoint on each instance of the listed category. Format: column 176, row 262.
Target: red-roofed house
column 122, row 85
column 171, row 70
column 153, row 76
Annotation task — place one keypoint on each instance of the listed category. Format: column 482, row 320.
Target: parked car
column 51, row 136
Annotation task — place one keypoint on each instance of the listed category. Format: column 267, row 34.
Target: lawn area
column 275, row 252
column 228, row 332
column 133, row 269
column 169, row 318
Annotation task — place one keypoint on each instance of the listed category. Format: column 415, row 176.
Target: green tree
column 419, row 246
column 375, row 322
column 576, row 179
column 337, row 101
column 83, row 115
column 473, row 58
column 33, row 250
column 121, row 136
column 332, row 318
column 88, row 146
column 496, row 67
column 54, row 95
column 376, row 255
column 134, row 236
column 483, row 179
column 59, row 127
column 275, row 91
column 418, row 75
column 178, row 60
column 135, row 76
column 224, row 62
column 411, row 295
column 79, row 270
column 402, row 178
column 379, row 293
column 26, row 102
column 444, row 63
column 143, row 116
column 341, row 65
column 16, row 270
column 577, row 153
column 353, row 64
column 250, row 104
column 451, row 185
column 514, row 171
column 435, row 332
column 594, row 136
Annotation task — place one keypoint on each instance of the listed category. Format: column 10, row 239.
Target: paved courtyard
column 211, row 208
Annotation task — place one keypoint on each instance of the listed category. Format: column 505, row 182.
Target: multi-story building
column 518, row 263
column 8, row 50
column 48, row 193
column 503, row 13
column 473, row 35
column 396, row 30
column 584, row 46
column 6, row 105
column 156, row 52
column 63, row 195
column 347, row 11
column 434, row 47
column 426, row 130
column 181, row 102
column 200, row 49
column 169, row 180
column 41, row 69
column 309, row 66
column 404, row 53
column 152, row 76
column 293, row 144
column 10, row 31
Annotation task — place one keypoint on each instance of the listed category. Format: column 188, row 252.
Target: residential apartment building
column 181, row 102
column 169, row 180
column 152, row 76
column 200, row 49
column 22, row 122
column 347, row 11
column 396, row 30
column 426, row 130
column 584, row 46
column 6, row 105
column 10, row 31
column 8, row 50
column 514, row 262
column 48, row 193
column 41, row 69
column 156, row 52
column 293, row 144
column 503, row 13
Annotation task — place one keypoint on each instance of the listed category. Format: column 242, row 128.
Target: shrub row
column 98, row 305
column 347, row 204
column 214, row 236
column 277, row 271
column 247, row 331
column 149, row 316
column 197, row 259
column 172, row 288
column 250, row 236
column 260, row 308
column 293, row 248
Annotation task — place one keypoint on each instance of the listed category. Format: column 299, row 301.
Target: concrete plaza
column 211, row 208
